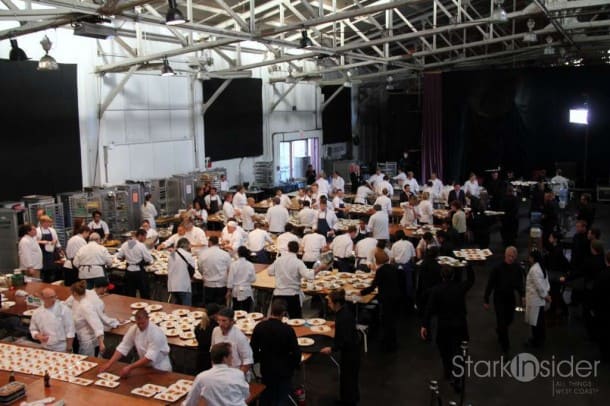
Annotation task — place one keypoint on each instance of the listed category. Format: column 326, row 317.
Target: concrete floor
column 402, row 378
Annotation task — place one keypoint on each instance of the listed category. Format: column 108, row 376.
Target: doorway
column 295, row 156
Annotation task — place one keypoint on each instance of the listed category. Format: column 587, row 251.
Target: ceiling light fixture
column 499, row 14
column 174, row 15
column 548, row 49
column 17, row 54
column 47, row 62
column 530, row 36
column 305, row 41
column 167, row 70
column 390, row 83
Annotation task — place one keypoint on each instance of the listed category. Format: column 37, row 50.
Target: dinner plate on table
column 320, row 329
column 316, row 322
column 295, row 322
column 191, row 343
column 240, row 314
column 319, row 341
column 8, row 304
column 153, row 308
column 255, row 316
column 138, row 305
column 197, row 314
column 306, row 341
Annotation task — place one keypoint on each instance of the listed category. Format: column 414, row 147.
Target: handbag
column 190, row 268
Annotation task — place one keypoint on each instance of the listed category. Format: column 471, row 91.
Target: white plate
column 255, row 316
column 138, row 305
column 142, row 392
column 181, row 312
column 305, row 341
column 172, row 332
column 196, row 314
column 320, row 329
column 316, row 322
column 154, row 388
column 240, row 313
column 8, row 304
column 153, row 308
column 105, row 376
column 191, row 343
column 187, row 335
column 295, row 322
column 107, row 383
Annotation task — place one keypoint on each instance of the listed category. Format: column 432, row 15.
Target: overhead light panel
column 499, row 14
column 17, row 54
column 305, row 42
column 174, row 15
column 167, row 70
column 47, row 62
column 98, row 31
column 390, row 83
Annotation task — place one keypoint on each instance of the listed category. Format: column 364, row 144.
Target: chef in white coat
column 30, row 255
column 537, row 296
column 52, row 323
column 150, row 343
column 87, row 323
column 148, row 211
column 93, row 296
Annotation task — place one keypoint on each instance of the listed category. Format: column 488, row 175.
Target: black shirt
column 447, row 301
column 387, row 280
column 580, row 250
column 346, row 335
column 274, row 344
column 204, row 338
column 504, row 280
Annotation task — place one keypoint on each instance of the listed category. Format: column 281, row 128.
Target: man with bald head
column 91, row 260
column 504, row 280
column 52, row 323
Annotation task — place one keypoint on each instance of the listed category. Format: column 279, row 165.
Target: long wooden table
column 74, row 394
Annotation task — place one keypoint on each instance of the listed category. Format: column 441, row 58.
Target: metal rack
column 211, row 176
column 158, row 190
column 115, row 209
column 52, row 209
column 388, row 168
column 181, row 191
column 263, row 174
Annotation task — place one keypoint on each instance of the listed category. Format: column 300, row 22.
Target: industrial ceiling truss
column 344, row 40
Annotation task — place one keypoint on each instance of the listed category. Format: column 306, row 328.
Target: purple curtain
column 432, row 126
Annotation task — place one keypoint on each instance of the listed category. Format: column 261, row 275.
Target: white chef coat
column 277, row 217
column 152, row 235
column 338, row 183
column 96, row 226
column 361, row 194
column 74, row 244
column 283, row 240
column 240, row 346
column 384, row 184
column 237, row 238
column 437, row 188
column 323, row 187
column 173, row 239
column 401, row 178
column 240, row 279
column 30, row 255
column 148, row 212
column 56, row 322
column 288, row 271
column 240, row 200
column 558, row 182
column 134, row 252
column 374, row 178
column 87, row 323
column 385, row 203
column 409, row 216
column 425, row 211
column 219, row 386
column 228, row 210
column 247, row 213
column 337, row 202
column 379, row 225
column 413, row 183
column 178, row 278
column 537, row 287
column 365, row 249
column 196, row 236
column 402, row 251
column 257, row 239
column 214, row 265
column 98, row 304
column 91, row 259
column 285, row 201
column 150, row 344
column 472, row 188
column 313, row 243
column 342, row 246
column 224, row 185
column 307, row 217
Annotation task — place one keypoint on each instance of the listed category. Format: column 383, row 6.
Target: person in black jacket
column 429, row 277
column 457, row 194
column 346, row 342
column 387, row 280
column 557, row 265
column 274, row 344
column 585, row 211
column 448, row 302
column 580, row 246
column 510, row 219
column 203, row 334
column 550, row 217
column 504, row 280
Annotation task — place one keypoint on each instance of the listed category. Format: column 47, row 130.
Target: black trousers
column 505, row 314
column 137, row 281
column 215, row 295
column 293, row 306
column 245, row 305
column 344, row 265
column 449, row 340
column 389, row 315
column 349, row 388
column 70, row 276
column 539, row 330
column 276, row 391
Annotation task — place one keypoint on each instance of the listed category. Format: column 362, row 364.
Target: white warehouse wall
column 153, row 127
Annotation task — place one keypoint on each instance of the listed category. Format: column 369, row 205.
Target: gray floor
column 402, row 378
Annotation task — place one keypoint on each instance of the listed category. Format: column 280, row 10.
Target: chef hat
column 231, row 224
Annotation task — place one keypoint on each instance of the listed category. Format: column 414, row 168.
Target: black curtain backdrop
column 234, row 122
column 40, row 136
column 337, row 115
column 519, row 119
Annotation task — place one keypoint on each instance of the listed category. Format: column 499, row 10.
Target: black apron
column 100, row 231
column 323, row 227
column 48, row 258
column 340, row 213
column 214, row 207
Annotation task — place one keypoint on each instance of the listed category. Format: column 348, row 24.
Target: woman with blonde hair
column 425, row 209
column 409, row 217
column 87, row 323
